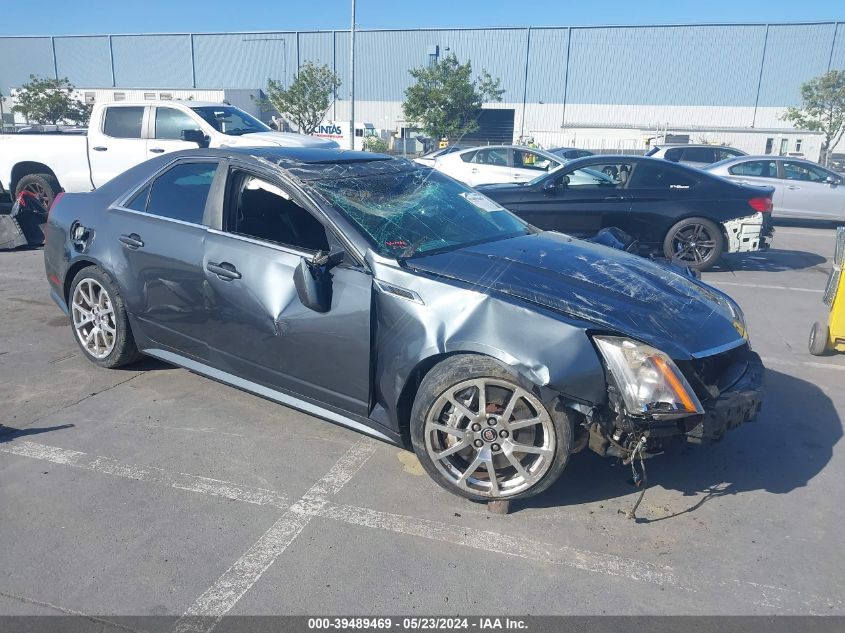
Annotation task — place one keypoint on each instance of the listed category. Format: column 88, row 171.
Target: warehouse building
column 601, row 88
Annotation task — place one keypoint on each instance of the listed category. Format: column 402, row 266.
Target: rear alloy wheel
column 485, row 436
column 99, row 321
column 694, row 242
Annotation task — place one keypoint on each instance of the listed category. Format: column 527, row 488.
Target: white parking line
column 218, row 600
column 791, row 363
column 151, row 474
column 247, row 570
column 717, row 282
column 825, row 233
column 608, row 564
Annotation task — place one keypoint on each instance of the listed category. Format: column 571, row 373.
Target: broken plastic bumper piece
column 732, row 407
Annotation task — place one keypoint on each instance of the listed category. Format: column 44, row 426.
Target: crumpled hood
column 614, row 290
column 282, row 139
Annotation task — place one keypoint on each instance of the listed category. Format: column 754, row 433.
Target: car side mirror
column 832, row 180
column 549, row 187
column 313, row 281
column 195, row 136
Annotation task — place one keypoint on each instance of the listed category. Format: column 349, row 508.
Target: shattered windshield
column 419, row 212
column 230, row 120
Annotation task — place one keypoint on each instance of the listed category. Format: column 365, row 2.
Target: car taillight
column 55, row 202
column 761, row 205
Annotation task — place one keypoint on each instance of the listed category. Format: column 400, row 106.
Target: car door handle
column 793, row 187
column 157, row 150
column 614, row 198
column 474, row 170
column 132, row 241
column 100, row 148
column 224, row 270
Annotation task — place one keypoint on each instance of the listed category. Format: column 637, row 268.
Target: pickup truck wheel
column 482, row 434
column 99, row 321
column 695, row 242
column 44, row 186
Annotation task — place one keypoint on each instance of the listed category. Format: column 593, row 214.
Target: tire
column 465, row 468
column 819, row 335
column 695, row 242
column 44, row 186
column 95, row 308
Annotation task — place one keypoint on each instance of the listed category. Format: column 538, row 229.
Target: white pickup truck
column 123, row 134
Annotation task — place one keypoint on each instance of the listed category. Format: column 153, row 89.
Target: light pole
column 352, row 80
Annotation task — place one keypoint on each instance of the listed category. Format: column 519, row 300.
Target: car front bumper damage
column 731, row 389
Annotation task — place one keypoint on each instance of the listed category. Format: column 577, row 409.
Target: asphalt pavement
column 153, row 491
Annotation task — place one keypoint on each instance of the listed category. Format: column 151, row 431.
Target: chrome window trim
column 719, row 349
column 291, row 250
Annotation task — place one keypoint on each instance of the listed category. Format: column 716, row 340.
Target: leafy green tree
column 308, row 98
column 822, row 109
column 50, row 101
column 445, row 100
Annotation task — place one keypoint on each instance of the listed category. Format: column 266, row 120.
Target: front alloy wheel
column 497, row 448
column 483, row 435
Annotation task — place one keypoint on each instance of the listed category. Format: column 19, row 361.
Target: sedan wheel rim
column 92, row 311
column 693, row 244
column 490, row 437
column 39, row 192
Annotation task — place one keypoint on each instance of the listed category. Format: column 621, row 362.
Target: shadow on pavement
column 8, row 433
column 789, row 444
column 773, row 260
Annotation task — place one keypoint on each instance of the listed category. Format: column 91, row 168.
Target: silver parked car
column 693, row 155
column 803, row 189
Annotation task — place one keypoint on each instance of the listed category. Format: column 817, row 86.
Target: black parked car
column 386, row 297
column 679, row 211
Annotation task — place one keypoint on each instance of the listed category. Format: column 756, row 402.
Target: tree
column 822, row 109
column 308, row 98
column 445, row 100
column 51, row 101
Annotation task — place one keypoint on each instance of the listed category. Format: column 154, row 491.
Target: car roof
column 310, row 163
column 522, row 147
column 161, row 102
column 661, row 145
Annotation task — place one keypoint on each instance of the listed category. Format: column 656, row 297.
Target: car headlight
column 649, row 380
column 738, row 318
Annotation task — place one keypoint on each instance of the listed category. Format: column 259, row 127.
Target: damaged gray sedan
column 387, row 297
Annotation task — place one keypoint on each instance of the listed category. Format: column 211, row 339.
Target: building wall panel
column 22, row 56
column 244, row 60
column 680, row 65
column 84, row 60
column 152, row 61
column 794, row 54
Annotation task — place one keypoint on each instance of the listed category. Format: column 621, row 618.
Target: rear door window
column 181, row 192
column 648, row 175
column 699, row 155
column 497, row 156
column 123, row 122
column 756, row 168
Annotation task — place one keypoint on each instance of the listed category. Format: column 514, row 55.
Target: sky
column 78, row 17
